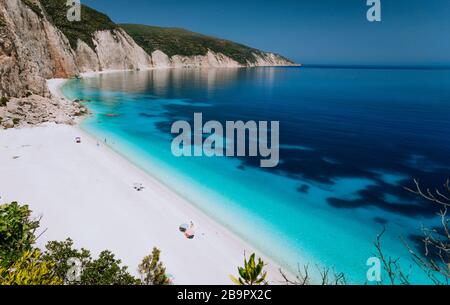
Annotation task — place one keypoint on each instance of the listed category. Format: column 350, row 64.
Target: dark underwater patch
column 380, row 220
column 148, row 115
column 303, row 189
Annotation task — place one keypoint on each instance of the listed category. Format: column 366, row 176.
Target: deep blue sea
column 350, row 140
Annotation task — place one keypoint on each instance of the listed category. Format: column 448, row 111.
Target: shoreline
column 210, row 258
column 54, row 86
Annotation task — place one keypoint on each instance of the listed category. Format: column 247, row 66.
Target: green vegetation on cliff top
column 176, row 41
column 91, row 22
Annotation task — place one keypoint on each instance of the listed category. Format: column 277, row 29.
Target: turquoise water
column 350, row 140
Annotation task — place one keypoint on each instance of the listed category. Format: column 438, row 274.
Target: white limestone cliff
column 31, row 51
column 116, row 50
column 214, row 60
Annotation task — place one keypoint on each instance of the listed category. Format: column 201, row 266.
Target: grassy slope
column 175, row 41
column 91, row 21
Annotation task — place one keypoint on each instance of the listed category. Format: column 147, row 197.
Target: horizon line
column 382, row 66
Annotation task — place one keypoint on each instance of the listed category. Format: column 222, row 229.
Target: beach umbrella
column 184, row 227
column 190, row 233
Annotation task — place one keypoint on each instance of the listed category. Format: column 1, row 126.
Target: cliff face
column 211, row 60
column 114, row 50
column 118, row 51
column 33, row 49
column 269, row 60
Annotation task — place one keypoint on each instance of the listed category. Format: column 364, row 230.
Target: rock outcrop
column 214, row 60
column 210, row 60
column 35, row 109
column 31, row 51
column 269, row 60
column 116, row 50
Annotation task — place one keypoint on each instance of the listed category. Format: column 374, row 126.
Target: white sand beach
column 85, row 192
column 54, row 86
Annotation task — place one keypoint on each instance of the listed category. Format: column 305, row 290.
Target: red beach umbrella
column 189, row 233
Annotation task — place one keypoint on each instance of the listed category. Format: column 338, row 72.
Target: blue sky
column 412, row 32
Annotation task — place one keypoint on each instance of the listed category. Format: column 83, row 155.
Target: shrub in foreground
column 17, row 232
column 252, row 273
column 30, row 269
column 152, row 270
column 21, row 263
